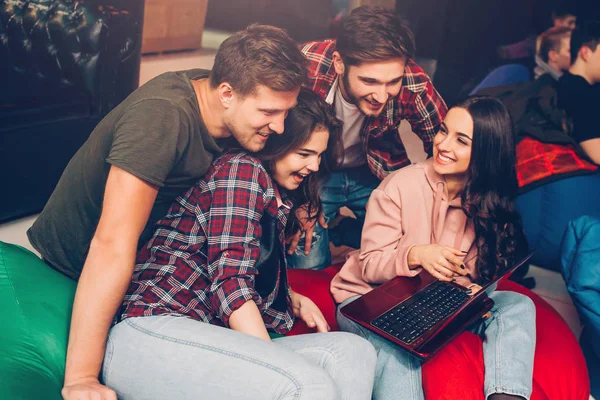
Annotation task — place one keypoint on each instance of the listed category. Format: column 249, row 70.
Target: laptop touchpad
column 403, row 287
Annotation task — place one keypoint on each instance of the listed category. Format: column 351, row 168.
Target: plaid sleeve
column 241, row 191
column 321, row 72
column 280, row 321
column 423, row 106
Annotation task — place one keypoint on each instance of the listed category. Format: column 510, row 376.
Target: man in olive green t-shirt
column 145, row 152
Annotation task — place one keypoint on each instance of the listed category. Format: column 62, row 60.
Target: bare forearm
column 247, row 319
column 592, row 149
column 102, row 286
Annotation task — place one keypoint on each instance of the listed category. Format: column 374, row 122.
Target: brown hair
column 310, row 114
column 374, row 34
column 550, row 40
column 259, row 55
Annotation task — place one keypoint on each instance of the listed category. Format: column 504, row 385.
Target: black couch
column 63, row 66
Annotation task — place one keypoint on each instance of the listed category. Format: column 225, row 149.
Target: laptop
column 422, row 314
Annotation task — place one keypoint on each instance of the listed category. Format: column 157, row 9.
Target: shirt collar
column 282, row 197
column 544, row 68
column 331, row 95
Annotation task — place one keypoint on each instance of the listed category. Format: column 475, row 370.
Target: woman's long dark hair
column 488, row 196
column 311, row 113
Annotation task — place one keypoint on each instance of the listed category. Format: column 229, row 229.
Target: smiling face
column 452, row 144
column 291, row 169
column 252, row 118
column 369, row 86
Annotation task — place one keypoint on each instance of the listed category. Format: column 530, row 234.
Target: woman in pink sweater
column 452, row 215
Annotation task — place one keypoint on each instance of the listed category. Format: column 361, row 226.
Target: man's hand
column 307, row 226
column 305, row 309
column 87, row 389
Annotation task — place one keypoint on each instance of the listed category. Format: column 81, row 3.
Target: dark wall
column 426, row 18
column 304, row 20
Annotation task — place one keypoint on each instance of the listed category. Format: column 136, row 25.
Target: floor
column 550, row 285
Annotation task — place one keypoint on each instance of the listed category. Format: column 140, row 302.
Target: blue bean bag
column 581, row 269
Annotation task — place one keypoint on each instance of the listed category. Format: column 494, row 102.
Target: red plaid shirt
column 200, row 262
column 418, row 102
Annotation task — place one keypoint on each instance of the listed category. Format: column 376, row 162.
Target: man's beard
column 354, row 99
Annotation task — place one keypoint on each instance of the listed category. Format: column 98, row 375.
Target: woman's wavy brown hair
column 311, row 113
column 490, row 191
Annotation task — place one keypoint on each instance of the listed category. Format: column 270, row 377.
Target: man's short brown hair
column 551, row 40
column 372, row 34
column 259, row 55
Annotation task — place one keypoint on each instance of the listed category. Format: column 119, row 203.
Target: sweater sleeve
column 382, row 257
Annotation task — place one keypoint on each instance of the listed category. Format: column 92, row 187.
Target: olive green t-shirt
column 156, row 134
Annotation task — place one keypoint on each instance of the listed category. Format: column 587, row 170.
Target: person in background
column 553, row 53
column 578, row 92
column 371, row 81
column 212, row 280
column 151, row 148
column 454, row 217
column 563, row 16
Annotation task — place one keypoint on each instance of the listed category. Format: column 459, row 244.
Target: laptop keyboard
column 417, row 314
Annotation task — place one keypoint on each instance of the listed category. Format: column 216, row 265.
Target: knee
column 309, row 382
column 354, row 350
column 515, row 303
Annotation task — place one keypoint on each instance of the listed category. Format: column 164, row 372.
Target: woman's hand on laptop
column 474, row 288
column 442, row 262
column 305, row 309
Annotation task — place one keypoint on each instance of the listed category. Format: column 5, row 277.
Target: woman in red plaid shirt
column 217, row 261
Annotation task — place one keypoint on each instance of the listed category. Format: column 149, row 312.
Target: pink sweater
column 409, row 207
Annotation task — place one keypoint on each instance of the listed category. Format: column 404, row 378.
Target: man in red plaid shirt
column 369, row 77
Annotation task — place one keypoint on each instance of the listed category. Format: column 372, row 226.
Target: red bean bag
column 456, row 373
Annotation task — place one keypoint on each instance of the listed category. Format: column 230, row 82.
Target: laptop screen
column 507, row 273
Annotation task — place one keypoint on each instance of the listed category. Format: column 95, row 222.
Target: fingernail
column 462, row 266
column 464, row 251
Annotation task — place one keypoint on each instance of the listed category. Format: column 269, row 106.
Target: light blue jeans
column 352, row 188
column 508, row 350
column 168, row 357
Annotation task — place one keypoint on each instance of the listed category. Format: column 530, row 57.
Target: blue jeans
column 178, row 358
column 547, row 210
column 508, row 350
column 352, row 188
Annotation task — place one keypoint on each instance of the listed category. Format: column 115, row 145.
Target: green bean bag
column 35, row 311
